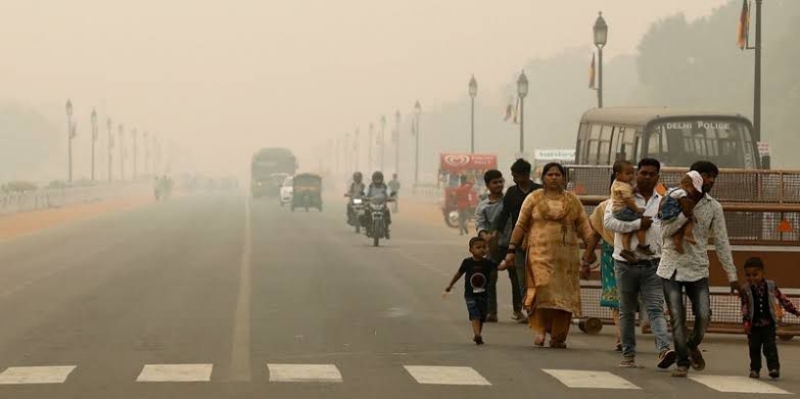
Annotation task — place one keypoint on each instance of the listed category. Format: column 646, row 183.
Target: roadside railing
column 731, row 186
column 726, row 314
column 49, row 198
column 747, row 223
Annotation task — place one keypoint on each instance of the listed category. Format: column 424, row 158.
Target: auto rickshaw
column 307, row 191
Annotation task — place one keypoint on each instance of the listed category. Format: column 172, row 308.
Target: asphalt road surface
column 217, row 297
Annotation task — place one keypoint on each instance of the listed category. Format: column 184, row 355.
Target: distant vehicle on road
column 452, row 166
column 307, row 191
column 287, row 190
column 269, row 168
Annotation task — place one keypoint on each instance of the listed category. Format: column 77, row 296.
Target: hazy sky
column 234, row 75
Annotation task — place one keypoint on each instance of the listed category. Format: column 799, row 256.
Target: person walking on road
column 553, row 219
column 485, row 214
column 689, row 270
column 639, row 277
column 478, row 270
column 761, row 310
column 609, row 296
column 463, row 199
column 394, row 186
column 512, row 204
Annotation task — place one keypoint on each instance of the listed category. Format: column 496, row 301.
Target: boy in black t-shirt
column 478, row 270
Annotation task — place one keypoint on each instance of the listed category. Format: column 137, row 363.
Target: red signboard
column 460, row 163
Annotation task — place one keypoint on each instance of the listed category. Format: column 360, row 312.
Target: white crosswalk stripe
column 736, row 384
column 421, row 374
column 590, row 379
column 304, row 373
column 36, row 375
column 446, row 375
column 175, row 373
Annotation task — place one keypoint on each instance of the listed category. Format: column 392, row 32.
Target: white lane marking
column 240, row 351
column 175, row 373
column 736, row 384
column 36, row 375
column 304, row 373
column 446, row 375
column 590, row 379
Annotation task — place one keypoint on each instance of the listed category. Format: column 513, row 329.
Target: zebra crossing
column 421, row 374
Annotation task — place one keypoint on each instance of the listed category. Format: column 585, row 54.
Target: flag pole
column 757, row 84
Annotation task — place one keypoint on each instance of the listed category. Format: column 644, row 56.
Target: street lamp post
column 383, row 141
column 346, row 151
column 94, row 137
column 156, row 155
column 135, row 134
column 356, row 148
column 473, row 91
column 417, row 114
column 110, row 126
column 397, row 142
column 121, row 152
column 70, row 134
column 146, row 153
column 600, row 39
column 369, row 148
column 522, row 91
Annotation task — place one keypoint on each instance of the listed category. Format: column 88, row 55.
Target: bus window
column 580, row 149
column 604, row 152
column 616, row 144
column 594, row 145
column 727, row 144
column 628, row 143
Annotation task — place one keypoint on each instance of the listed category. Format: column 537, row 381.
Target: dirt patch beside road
column 24, row 223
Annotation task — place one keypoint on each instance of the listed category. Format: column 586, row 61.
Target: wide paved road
column 209, row 297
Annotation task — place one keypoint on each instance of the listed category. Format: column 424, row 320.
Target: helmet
column 357, row 177
column 377, row 176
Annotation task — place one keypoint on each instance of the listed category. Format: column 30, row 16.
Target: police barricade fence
column 753, row 228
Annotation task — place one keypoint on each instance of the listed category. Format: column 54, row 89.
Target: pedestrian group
column 653, row 246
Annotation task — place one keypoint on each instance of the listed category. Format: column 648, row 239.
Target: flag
column 591, row 74
column 413, row 129
column 509, row 109
column 73, row 131
column 744, row 26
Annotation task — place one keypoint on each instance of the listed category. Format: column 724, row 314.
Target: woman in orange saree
column 552, row 219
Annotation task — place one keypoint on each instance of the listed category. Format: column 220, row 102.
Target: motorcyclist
column 356, row 190
column 378, row 188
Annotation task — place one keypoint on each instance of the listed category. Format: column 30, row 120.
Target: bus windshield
column 680, row 142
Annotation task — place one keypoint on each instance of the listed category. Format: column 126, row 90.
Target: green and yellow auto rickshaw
column 307, row 191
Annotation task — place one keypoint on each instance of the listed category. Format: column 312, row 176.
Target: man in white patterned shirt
column 689, row 270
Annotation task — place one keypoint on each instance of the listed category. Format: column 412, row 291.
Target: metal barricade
column 726, row 313
column 731, row 186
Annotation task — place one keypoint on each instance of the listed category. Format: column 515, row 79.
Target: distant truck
column 269, row 168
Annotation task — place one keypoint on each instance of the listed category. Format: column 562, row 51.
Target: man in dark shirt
column 512, row 204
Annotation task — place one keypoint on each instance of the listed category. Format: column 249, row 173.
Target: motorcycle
column 356, row 214
column 378, row 227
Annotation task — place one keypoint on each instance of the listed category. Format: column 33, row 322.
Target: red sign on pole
column 460, row 163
